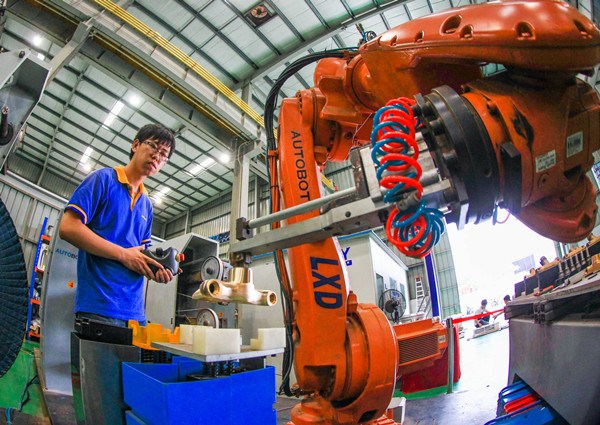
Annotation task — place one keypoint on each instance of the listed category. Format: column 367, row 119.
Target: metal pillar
column 240, row 187
column 433, row 291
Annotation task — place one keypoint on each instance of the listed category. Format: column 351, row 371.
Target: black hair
column 484, row 302
column 507, row 298
column 160, row 133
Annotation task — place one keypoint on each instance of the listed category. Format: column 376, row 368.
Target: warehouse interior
column 306, row 249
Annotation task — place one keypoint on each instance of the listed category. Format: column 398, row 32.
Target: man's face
column 152, row 155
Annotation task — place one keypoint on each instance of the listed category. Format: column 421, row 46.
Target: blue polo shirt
column 104, row 202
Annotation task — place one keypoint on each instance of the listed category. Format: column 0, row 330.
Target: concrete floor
column 484, row 365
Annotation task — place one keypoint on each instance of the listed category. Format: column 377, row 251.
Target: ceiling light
column 113, row 113
column 109, row 120
column 117, row 108
column 37, row 40
column 86, row 155
column 224, row 158
column 157, row 200
column 196, row 169
column 85, row 167
column 164, row 191
column 135, row 100
column 207, row 162
column 41, row 57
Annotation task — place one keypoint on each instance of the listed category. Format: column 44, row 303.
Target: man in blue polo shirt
column 109, row 218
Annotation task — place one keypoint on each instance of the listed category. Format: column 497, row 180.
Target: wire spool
column 207, row 317
column 14, row 295
column 214, row 268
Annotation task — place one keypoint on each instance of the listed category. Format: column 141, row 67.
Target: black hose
column 270, row 105
column 290, row 70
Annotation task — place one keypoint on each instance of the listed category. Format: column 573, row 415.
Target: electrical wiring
column 495, row 217
column 8, row 415
column 280, row 267
column 290, row 70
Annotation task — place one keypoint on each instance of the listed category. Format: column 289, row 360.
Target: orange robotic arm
column 522, row 139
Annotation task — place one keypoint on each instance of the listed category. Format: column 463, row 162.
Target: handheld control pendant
column 169, row 258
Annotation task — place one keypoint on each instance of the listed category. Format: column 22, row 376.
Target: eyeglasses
column 162, row 154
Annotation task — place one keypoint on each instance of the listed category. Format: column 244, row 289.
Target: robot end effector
column 523, row 138
column 518, row 147
column 525, row 149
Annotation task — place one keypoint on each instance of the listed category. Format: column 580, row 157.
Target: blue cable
column 8, row 414
column 511, row 414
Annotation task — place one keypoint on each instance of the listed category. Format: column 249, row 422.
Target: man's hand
column 163, row 276
column 135, row 260
column 75, row 232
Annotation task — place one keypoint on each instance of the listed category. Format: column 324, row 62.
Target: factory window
column 379, row 286
column 596, row 172
column 393, row 283
column 402, row 290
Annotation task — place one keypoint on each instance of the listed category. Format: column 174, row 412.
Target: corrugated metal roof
column 124, row 61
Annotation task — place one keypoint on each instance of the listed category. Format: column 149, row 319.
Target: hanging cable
column 495, row 216
column 411, row 226
column 272, row 175
column 8, row 415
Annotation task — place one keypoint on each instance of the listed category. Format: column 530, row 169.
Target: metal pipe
column 4, row 122
column 299, row 209
column 450, row 348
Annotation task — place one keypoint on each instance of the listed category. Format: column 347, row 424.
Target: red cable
column 477, row 316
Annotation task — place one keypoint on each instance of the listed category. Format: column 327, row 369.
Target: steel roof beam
column 279, row 61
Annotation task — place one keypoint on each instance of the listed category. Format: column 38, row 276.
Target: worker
column 109, row 218
column 482, row 321
column 506, row 299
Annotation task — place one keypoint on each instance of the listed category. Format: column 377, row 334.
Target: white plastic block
column 186, row 334
column 210, row 341
column 268, row 338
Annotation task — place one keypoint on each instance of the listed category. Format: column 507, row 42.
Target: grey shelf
column 186, row 350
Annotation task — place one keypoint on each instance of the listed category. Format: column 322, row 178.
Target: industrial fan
column 393, row 303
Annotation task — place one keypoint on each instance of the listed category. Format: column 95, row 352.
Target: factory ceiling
column 202, row 68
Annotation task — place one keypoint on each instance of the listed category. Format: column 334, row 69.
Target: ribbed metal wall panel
column 158, row 229
column 51, row 181
column 175, row 227
column 59, row 185
column 28, row 212
column 340, row 174
column 447, row 283
column 24, row 168
column 213, row 217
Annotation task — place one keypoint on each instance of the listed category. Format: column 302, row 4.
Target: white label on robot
column 574, row 143
column 545, row 161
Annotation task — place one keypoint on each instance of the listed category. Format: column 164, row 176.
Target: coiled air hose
column 411, row 226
